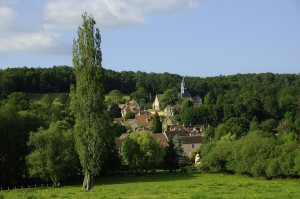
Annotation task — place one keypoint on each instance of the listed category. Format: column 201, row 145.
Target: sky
column 187, row 37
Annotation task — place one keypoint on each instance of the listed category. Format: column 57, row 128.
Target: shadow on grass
column 145, row 177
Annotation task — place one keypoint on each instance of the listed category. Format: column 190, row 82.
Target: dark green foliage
column 118, row 129
column 129, row 115
column 171, row 159
column 14, row 132
column 18, row 100
column 175, row 157
column 115, row 111
column 156, row 125
column 140, row 95
column 112, row 162
column 269, row 125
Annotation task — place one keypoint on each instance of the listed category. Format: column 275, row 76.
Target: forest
column 252, row 120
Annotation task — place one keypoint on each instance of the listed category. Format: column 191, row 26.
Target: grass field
column 165, row 185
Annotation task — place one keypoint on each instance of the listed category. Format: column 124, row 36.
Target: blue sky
column 187, row 37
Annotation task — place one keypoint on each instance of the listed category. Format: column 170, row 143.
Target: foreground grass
column 165, row 185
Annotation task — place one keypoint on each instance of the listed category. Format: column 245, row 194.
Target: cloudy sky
column 187, row 37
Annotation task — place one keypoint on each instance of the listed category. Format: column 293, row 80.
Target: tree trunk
column 88, row 182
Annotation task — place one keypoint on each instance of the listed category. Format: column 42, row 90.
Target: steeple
column 183, row 92
column 183, row 88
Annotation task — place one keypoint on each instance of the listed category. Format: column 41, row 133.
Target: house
column 197, row 101
column 191, row 140
column 169, row 111
column 191, row 144
column 140, row 121
column 156, row 103
column 129, row 107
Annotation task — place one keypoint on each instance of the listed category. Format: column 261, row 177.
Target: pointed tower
column 183, row 88
column 184, row 94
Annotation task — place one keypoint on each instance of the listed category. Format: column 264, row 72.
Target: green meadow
column 166, row 185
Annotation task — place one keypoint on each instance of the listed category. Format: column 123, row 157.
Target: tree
column 115, row 95
column 53, row 156
column 115, row 111
column 129, row 115
column 19, row 100
column 140, row 95
column 209, row 99
column 156, row 124
column 92, row 126
column 170, row 97
column 141, row 151
column 14, row 131
column 170, row 161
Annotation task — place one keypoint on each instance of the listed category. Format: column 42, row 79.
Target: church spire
column 184, row 93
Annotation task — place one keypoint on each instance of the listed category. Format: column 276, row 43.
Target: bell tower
column 182, row 87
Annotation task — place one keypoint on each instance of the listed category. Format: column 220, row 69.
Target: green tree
column 115, row 111
column 53, row 156
column 129, row 115
column 92, row 126
column 46, row 101
column 209, row 99
column 19, row 100
column 141, row 151
column 170, row 97
column 140, row 95
column 115, row 95
column 175, row 157
column 183, row 160
column 156, row 125
column 14, row 131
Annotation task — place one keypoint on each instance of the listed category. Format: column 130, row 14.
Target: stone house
column 129, row 107
column 156, row 103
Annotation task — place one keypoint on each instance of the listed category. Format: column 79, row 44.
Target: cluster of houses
column 191, row 137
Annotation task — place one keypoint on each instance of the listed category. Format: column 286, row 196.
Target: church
column 184, row 94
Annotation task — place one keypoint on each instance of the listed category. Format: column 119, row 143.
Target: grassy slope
column 164, row 185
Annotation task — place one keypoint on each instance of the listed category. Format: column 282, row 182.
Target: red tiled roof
column 143, row 120
column 161, row 137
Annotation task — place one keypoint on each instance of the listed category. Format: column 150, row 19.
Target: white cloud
column 37, row 42
column 6, row 16
column 45, row 35
column 109, row 13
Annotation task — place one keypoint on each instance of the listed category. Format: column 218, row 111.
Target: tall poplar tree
column 92, row 127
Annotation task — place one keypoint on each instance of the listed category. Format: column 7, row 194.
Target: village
column 190, row 136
